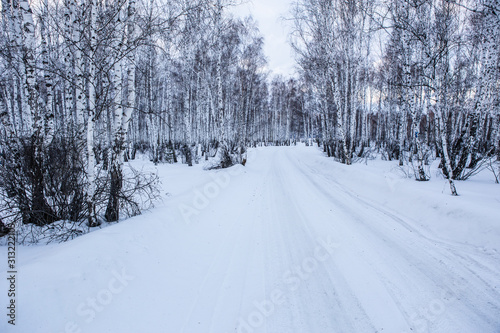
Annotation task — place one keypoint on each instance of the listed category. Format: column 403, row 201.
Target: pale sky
column 269, row 14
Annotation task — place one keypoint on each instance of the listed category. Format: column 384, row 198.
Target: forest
column 86, row 85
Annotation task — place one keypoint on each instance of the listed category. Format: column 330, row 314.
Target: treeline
column 85, row 84
column 415, row 79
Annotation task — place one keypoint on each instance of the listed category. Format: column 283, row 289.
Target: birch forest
column 87, row 85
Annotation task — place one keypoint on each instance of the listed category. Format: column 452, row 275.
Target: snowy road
column 279, row 246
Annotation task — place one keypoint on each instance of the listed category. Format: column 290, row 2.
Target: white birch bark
column 69, row 60
column 10, row 20
column 441, row 128
column 353, row 109
column 220, row 101
column 5, row 115
column 28, row 28
column 131, row 95
column 22, row 109
column 91, row 179
column 121, row 115
column 76, row 35
column 47, row 77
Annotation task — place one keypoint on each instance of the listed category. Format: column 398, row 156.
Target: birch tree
column 121, row 116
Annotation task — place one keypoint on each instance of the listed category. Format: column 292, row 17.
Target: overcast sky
column 269, row 14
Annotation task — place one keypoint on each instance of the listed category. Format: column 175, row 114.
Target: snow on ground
column 293, row 242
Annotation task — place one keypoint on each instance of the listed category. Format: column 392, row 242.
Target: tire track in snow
column 445, row 267
column 352, row 264
column 451, row 251
column 326, row 309
column 215, row 266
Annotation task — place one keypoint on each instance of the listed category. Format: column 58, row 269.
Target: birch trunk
column 116, row 174
column 442, row 129
column 69, row 61
column 122, row 115
column 91, row 187
column 41, row 212
column 48, row 106
column 220, row 101
column 76, row 35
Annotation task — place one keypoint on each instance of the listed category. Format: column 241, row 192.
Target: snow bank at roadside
column 471, row 218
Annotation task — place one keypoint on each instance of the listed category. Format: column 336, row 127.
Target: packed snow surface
column 292, row 242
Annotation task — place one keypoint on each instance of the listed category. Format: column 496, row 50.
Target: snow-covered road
column 279, row 246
